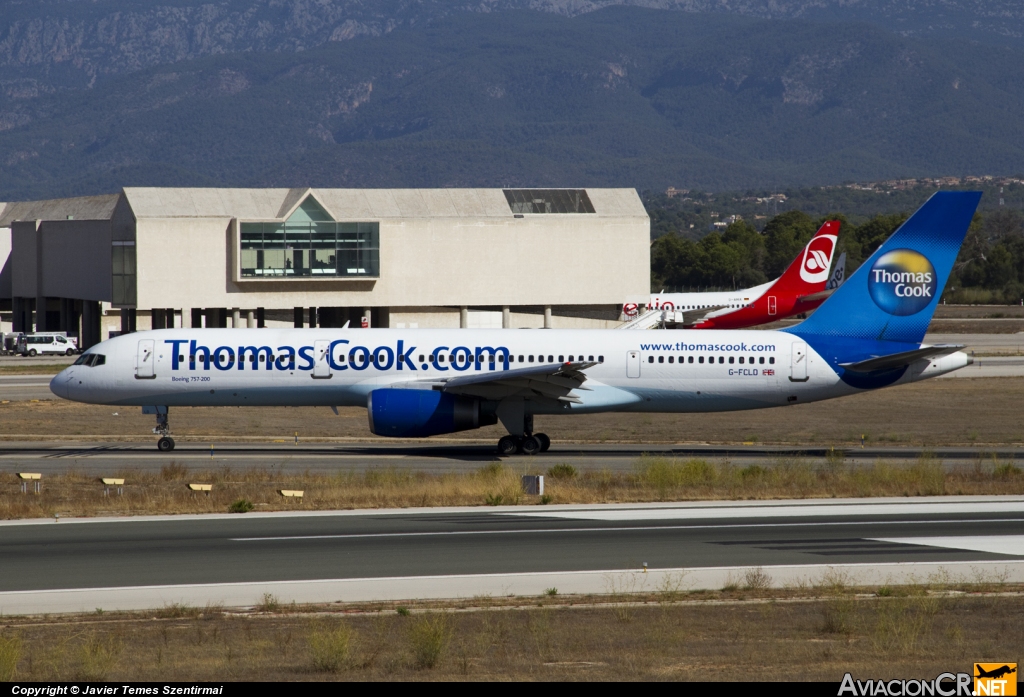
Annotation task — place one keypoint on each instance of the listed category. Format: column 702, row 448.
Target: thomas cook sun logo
column 902, row 282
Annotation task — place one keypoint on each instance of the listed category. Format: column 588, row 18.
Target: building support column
column 65, row 316
column 90, row 324
column 250, row 320
column 547, row 317
column 127, row 320
column 18, row 315
column 463, row 317
column 236, row 318
column 41, row 314
column 367, row 319
column 506, row 317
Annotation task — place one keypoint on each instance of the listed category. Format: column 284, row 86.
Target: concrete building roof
column 349, row 204
column 81, row 208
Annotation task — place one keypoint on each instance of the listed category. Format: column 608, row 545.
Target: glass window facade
column 310, row 245
column 549, row 201
column 123, row 278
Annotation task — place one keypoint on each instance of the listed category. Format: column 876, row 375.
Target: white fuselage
column 655, row 371
column 728, row 300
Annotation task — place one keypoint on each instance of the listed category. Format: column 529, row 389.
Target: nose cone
column 59, row 384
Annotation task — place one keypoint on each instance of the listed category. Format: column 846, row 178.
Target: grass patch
column 429, row 636
column 810, row 633
column 10, row 654
column 241, row 506
column 330, row 644
column 73, row 493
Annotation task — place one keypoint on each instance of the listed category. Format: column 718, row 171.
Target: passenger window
column 690, row 359
column 192, row 358
column 181, row 359
column 671, row 359
column 721, row 359
column 732, row 360
column 421, row 358
column 772, row 360
column 561, row 359
column 650, row 359
column 570, row 358
column 741, row 360
column 551, row 359
column 440, row 358
column 521, row 359
column 600, row 359
column 661, row 359
column 590, row 359
column 701, row 359
column 531, row 359
column 761, row 360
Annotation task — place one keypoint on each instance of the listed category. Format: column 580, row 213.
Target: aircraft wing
column 551, row 380
column 898, row 360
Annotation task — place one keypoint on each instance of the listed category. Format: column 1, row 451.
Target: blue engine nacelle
column 404, row 413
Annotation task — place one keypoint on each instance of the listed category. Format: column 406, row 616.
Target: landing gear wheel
column 164, row 444
column 545, row 442
column 531, row 445
column 509, row 445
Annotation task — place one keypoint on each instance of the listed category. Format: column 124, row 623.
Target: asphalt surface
column 108, row 458
column 294, row 547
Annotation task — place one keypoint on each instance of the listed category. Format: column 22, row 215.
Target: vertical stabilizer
column 892, row 296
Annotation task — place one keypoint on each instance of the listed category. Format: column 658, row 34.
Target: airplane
column 424, row 382
column 802, row 287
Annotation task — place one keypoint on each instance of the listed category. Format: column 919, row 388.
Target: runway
column 111, row 457
column 365, row 555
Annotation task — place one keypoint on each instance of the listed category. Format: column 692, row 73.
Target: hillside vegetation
column 989, row 269
column 615, row 97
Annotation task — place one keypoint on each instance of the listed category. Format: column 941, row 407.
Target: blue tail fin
column 892, row 296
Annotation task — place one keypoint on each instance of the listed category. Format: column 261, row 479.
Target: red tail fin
column 808, row 273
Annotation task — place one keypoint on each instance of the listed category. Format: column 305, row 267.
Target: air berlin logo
column 817, row 259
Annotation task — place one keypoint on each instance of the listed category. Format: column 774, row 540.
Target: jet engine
column 411, row 413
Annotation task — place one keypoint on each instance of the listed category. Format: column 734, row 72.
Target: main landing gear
column 528, row 444
column 163, row 427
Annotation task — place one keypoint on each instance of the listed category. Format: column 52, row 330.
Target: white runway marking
column 800, row 511
column 647, row 528
column 1012, row 545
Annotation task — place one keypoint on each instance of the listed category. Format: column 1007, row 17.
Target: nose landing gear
column 163, row 428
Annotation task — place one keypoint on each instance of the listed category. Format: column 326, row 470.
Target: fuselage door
column 798, row 365
column 145, row 361
column 772, row 309
column 322, row 366
column 633, row 364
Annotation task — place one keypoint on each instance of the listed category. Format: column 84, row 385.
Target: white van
column 36, row 344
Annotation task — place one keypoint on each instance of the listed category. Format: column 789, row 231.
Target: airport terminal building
column 170, row 257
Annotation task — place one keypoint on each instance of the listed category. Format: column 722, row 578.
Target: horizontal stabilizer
column 814, row 297
column 899, row 360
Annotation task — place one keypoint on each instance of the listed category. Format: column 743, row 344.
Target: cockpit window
column 91, row 359
column 83, row 358
column 99, row 359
